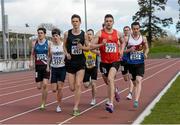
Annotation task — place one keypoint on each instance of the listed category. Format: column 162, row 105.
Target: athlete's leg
column 39, row 85
column 93, row 89
column 111, row 77
column 71, row 80
column 138, row 87
column 79, row 80
column 44, row 91
column 105, row 79
column 54, row 87
column 59, row 92
column 131, row 86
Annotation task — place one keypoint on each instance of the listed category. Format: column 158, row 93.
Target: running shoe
column 135, row 104
column 58, row 109
column 42, row 107
column 129, row 96
column 110, row 108
column 76, row 112
column 93, row 102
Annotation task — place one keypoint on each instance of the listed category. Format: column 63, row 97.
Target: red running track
column 19, row 98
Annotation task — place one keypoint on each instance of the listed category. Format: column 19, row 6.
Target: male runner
column 137, row 52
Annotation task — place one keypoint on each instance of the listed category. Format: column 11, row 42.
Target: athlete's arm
column 86, row 46
column 146, row 47
column 32, row 55
column 96, row 51
column 121, row 44
column 95, row 44
column 49, row 55
column 64, row 46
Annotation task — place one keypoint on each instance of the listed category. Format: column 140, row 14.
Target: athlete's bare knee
column 125, row 79
column 134, row 83
column 54, row 91
column 86, row 86
column 72, row 89
column 78, row 85
column 38, row 87
column 44, row 86
column 110, row 79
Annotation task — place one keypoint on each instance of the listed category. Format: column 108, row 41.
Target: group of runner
column 76, row 55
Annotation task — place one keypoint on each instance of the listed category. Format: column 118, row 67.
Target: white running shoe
column 93, row 102
column 58, row 109
column 129, row 96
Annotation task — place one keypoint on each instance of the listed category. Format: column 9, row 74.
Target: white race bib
column 41, row 57
column 57, row 60
column 111, row 48
column 90, row 63
column 75, row 50
column 135, row 55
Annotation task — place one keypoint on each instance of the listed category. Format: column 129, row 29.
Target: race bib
column 41, row 57
column 110, row 48
column 90, row 63
column 57, row 60
column 135, row 55
column 75, row 50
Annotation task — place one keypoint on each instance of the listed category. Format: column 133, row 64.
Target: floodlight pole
column 85, row 15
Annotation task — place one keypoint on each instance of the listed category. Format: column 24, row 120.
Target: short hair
column 103, row 25
column 76, row 16
column 91, row 31
column 135, row 23
column 56, row 31
column 126, row 27
column 43, row 29
column 108, row 16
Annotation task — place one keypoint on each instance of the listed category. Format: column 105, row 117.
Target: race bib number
column 135, row 55
column 110, row 48
column 41, row 57
column 90, row 63
column 75, row 50
column 57, row 60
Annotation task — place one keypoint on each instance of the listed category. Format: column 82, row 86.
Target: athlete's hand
column 121, row 53
column 132, row 49
column 47, row 69
column 104, row 41
column 30, row 64
column 68, row 56
column 79, row 46
column 145, row 56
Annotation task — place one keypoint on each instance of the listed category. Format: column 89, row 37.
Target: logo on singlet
column 110, row 37
column 110, row 48
column 74, row 49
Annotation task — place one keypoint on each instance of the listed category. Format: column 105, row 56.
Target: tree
column 47, row 26
column 152, row 24
column 178, row 23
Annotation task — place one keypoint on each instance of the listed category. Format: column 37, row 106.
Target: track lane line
column 20, row 114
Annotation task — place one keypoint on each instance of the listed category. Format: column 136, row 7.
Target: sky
column 59, row 12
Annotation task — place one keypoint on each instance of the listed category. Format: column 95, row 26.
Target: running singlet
column 58, row 56
column 90, row 59
column 110, row 51
column 77, row 55
column 41, row 53
column 136, row 57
